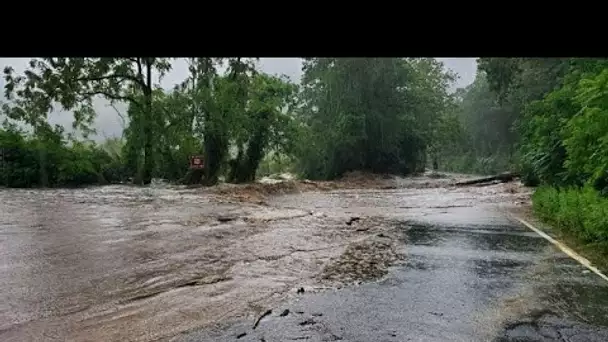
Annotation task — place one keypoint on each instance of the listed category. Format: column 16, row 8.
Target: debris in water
column 226, row 218
column 364, row 260
column 284, row 313
column 268, row 312
column 309, row 321
column 317, row 314
column 436, row 175
column 353, row 219
column 500, row 178
column 241, row 335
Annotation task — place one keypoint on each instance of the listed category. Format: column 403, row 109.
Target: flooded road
column 414, row 261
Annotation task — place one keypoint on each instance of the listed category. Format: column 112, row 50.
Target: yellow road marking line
column 569, row 251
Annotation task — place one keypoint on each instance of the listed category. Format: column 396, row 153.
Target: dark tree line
column 373, row 114
column 544, row 117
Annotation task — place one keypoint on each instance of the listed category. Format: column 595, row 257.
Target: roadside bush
column 579, row 212
column 47, row 160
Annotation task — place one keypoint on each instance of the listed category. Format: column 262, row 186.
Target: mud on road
column 122, row 263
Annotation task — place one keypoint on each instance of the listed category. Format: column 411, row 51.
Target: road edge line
column 567, row 250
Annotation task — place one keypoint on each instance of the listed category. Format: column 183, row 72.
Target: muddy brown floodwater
column 121, row 263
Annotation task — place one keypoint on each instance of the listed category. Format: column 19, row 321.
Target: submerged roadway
column 470, row 272
column 415, row 261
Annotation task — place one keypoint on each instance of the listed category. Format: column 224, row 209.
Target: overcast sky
column 108, row 122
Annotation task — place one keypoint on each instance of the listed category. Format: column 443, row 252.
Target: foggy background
column 108, row 123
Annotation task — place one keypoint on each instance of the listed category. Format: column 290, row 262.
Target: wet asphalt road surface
column 137, row 264
column 470, row 274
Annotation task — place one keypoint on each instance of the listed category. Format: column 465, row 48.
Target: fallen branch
column 502, row 178
column 257, row 321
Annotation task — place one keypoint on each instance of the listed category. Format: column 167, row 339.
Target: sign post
column 196, row 162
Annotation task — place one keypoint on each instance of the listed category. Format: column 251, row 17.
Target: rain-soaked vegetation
column 556, row 114
column 373, row 114
column 140, row 263
column 544, row 118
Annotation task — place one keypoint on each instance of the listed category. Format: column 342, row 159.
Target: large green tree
column 265, row 123
column 373, row 114
column 74, row 82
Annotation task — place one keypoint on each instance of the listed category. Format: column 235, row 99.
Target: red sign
column 196, row 162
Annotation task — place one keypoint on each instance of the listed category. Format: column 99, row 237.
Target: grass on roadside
column 578, row 216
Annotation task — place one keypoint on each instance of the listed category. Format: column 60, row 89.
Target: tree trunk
column 214, row 155
column 148, row 146
column 42, row 163
column 247, row 168
column 503, row 178
column 235, row 166
column 145, row 172
column 193, row 177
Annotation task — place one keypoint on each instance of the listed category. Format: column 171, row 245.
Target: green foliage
column 561, row 116
column 582, row 213
column 47, row 160
column 266, row 122
column 218, row 102
column 586, row 134
column 209, row 114
column 542, row 146
column 373, row 114
column 476, row 134
column 74, row 82
column 542, row 116
column 562, row 132
column 553, row 107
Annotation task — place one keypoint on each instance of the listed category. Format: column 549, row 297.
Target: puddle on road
column 486, row 237
column 126, row 263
